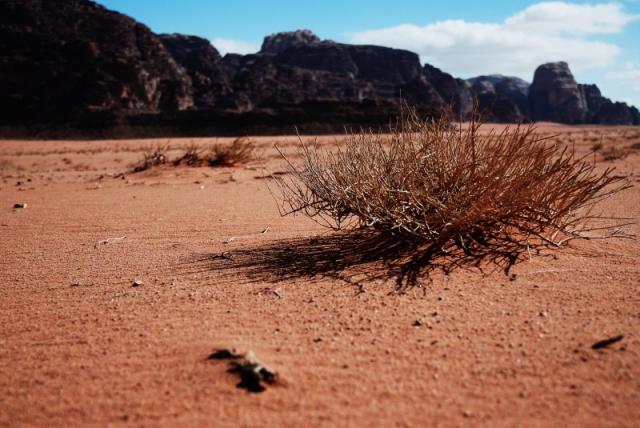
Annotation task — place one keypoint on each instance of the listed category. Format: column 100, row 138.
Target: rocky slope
column 75, row 64
column 501, row 98
column 63, row 59
column 203, row 64
column 555, row 96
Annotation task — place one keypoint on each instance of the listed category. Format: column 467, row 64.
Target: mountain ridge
column 107, row 74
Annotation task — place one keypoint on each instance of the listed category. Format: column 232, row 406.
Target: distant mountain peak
column 279, row 42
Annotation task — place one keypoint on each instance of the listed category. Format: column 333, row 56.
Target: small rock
column 543, row 314
column 224, row 354
column 606, row 342
column 417, row 323
column 253, row 374
column 20, row 205
column 467, row 414
column 278, row 292
column 137, row 283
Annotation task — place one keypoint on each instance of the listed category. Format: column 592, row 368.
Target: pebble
column 20, row 205
column 137, row 283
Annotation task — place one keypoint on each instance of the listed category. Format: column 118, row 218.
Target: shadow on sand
column 352, row 257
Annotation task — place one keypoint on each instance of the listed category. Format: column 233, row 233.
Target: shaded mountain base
column 312, row 117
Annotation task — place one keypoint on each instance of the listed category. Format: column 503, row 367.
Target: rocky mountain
column 75, row 65
column 501, row 98
column 280, row 42
column 555, row 96
column 210, row 83
column 453, row 92
column 63, row 59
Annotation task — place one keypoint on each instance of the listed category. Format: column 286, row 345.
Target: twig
column 109, row 241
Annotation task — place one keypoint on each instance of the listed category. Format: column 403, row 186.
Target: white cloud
column 629, row 80
column 631, row 74
column 543, row 32
column 226, row 46
column 567, row 18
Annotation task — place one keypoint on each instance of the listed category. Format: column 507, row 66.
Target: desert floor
column 221, row 269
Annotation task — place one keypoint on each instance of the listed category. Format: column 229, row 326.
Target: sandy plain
column 79, row 346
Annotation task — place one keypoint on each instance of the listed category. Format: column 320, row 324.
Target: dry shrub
column 444, row 188
column 597, row 147
column 635, row 146
column 152, row 157
column 6, row 164
column 615, row 153
column 241, row 150
column 193, row 156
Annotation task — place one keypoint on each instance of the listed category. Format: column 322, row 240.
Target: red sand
column 80, row 346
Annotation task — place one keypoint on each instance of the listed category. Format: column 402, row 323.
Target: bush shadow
column 352, row 257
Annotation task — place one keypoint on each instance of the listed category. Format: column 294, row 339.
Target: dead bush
column 193, row 156
column 241, row 150
column 615, row 153
column 597, row 147
column 152, row 157
column 441, row 187
column 6, row 164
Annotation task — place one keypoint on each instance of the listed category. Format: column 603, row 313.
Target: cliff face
column 453, row 92
column 63, row 58
column 501, row 98
column 555, row 96
column 203, row 65
column 297, row 67
column 73, row 61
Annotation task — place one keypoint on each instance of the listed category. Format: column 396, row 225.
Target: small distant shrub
column 597, row 147
column 152, row 157
column 614, row 153
column 6, row 164
column 436, row 185
column 193, row 156
column 635, row 146
column 241, row 150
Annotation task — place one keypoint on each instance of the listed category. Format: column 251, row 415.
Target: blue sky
column 465, row 38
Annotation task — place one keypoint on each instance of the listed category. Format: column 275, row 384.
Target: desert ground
column 220, row 268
